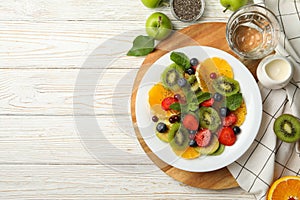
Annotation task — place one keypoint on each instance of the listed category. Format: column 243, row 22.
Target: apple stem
column 159, row 21
column 226, row 9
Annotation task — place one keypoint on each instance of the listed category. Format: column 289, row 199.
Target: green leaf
column 175, row 106
column 203, row 97
column 234, row 101
column 142, row 45
column 180, row 59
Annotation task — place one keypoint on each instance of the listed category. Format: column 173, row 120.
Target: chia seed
column 187, row 9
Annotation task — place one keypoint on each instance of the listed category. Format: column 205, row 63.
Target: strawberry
column 208, row 103
column 165, row 104
column 203, row 137
column 190, row 122
column 227, row 136
column 229, row 120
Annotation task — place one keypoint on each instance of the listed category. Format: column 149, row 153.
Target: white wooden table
column 43, row 45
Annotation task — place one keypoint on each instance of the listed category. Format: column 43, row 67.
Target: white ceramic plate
column 250, row 127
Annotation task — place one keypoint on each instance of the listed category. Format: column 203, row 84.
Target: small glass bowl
column 201, row 11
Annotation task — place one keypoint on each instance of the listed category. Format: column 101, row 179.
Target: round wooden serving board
column 205, row 34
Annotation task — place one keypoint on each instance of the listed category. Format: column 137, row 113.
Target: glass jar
column 252, row 31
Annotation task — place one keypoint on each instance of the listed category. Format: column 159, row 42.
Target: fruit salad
column 197, row 106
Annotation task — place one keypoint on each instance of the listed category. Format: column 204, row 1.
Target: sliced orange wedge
column 188, row 153
column 285, row 188
column 241, row 113
column 157, row 93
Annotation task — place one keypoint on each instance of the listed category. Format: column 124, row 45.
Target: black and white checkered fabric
column 268, row 158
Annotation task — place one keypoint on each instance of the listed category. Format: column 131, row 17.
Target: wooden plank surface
column 44, row 46
column 99, row 182
column 103, row 10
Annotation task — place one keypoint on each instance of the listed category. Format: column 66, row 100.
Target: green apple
column 233, row 5
column 151, row 3
column 158, row 26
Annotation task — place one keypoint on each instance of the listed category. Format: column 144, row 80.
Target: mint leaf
column 234, row 101
column 180, row 59
column 142, row 45
column 175, row 106
column 203, row 97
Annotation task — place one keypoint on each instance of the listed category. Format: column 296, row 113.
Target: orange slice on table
column 212, row 65
column 285, row 188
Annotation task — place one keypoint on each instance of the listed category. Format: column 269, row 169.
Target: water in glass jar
column 251, row 33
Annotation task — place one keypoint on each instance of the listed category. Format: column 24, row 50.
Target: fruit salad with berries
column 197, row 106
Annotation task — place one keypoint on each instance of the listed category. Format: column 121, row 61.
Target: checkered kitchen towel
column 268, row 158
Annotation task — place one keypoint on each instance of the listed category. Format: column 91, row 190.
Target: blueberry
column 192, row 131
column 194, row 61
column 161, row 127
column 224, row 111
column 155, row 118
column 181, row 82
column 193, row 143
column 236, row 130
column 190, row 71
column 218, row 97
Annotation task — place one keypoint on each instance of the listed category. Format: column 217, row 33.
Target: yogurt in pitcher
column 274, row 72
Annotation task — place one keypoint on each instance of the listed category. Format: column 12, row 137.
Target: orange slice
column 212, row 65
column 285, row 188
column 241, row 113
column 157, row 93
column 188, row 153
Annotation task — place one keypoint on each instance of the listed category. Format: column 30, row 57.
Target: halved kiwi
column 170, row 76
column 226, row 86
column 209, row 118
column 219, row 151
column 287, row 128
column 178, row 138
column 211, row 148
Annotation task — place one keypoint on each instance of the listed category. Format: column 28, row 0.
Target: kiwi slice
column 211, row 148
column 287, row 128
column 178, row 137
column 226, row 86
column 194, row 85
column 219, row 151
column 163, row 136
column 170, row 76
column 209, row 118
column 191, row 79
column 195, row 88
column 173, row 131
